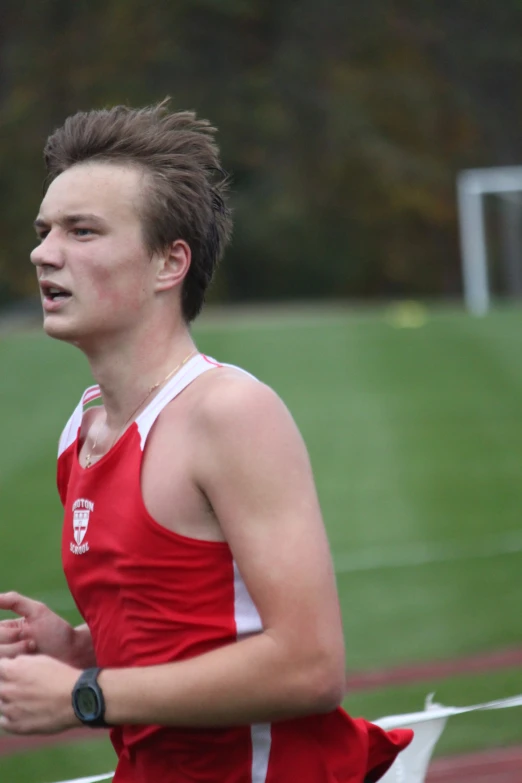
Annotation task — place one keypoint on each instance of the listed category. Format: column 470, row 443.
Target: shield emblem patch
column 80, row 524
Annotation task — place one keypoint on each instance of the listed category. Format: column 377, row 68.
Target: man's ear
column 173, row 265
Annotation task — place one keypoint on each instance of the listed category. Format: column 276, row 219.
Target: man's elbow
column 327, row 684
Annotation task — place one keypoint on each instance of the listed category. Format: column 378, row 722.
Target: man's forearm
column 253, row 681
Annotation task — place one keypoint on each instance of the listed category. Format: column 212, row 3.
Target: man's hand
column 37, row 630
column 35, row 695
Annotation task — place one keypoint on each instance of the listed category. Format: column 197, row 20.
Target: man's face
column 95, row 273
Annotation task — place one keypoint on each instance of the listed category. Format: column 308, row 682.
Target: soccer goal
column 473, row 188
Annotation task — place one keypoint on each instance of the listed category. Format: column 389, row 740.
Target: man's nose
column 49, row 252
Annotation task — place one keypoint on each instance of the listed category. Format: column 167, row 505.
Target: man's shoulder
column 225, row 397
column 230, row 394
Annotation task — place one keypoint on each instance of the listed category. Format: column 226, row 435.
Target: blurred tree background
column 343, row 125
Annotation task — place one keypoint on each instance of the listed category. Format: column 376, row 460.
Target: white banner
column 412, row 764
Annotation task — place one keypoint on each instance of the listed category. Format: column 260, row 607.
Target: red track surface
column 495, row 766
column 435, row 670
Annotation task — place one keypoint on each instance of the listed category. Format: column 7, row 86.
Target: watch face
column 87, row 703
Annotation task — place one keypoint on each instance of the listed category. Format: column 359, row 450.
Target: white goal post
column 472, row 186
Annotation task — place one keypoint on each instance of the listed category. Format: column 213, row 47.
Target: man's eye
column 41, row 235
column 83, row 232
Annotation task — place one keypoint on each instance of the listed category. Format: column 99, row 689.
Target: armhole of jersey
column 69, row 436
column 70, row 431
column 90, row 397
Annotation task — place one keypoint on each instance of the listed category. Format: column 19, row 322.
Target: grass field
column 416, row 441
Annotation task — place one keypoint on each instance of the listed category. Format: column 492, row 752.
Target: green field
column 415, row 436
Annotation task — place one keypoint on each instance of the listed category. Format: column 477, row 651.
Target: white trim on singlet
column 261, row 735
column 90, row 394
column 246, row 616
column 192, row 369
column 196, row 366
column 70, row 431
column 248, row 621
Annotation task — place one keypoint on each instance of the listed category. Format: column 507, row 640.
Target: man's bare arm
column 254, row 469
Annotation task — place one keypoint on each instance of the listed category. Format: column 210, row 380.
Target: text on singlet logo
column 81, row 512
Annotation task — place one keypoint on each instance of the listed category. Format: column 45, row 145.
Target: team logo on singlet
column 81, row 512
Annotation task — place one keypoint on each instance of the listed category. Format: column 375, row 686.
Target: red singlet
column 150, row 596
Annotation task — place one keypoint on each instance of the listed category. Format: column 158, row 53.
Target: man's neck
column 130, row 374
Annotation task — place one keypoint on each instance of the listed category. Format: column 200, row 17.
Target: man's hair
column 186, row 198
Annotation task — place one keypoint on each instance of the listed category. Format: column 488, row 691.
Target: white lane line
column 418, row 554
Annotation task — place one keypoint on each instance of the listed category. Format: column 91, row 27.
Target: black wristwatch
column 87, row 699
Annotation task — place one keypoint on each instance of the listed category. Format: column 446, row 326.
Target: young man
column 193, row 542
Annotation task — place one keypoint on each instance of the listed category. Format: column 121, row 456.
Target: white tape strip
column 412, row 764
column 436, row 711
column 95, row 779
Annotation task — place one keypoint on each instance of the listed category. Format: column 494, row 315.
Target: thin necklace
column 88, row 457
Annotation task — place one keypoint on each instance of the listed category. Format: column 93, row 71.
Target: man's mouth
column 55, row 293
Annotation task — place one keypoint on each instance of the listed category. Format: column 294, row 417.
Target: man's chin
column 78, row 335
column 59, row 331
